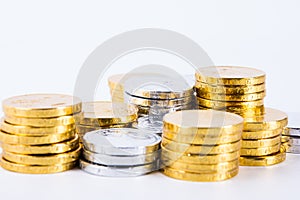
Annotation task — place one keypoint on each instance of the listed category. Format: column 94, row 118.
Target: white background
column 44, row 43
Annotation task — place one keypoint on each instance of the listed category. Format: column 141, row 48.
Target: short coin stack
column 239, row 90
column 201, row 145
column 120, row 152
column 291, row 134
column 38, row 133
column 105, row 114
column 261, row 144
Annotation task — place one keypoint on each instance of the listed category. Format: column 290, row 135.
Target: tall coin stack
column 241, row 90
column 105, row 114
column 201, row 145
column 120, row 152
column 291, row 134
column 38, row 133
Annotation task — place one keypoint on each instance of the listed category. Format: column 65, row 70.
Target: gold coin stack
column 116, row 88
column 105, row 114
column 38, row 133
column 201, row 145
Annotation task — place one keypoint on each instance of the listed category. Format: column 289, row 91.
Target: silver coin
column 293, row 127
column 148, row 125
column 109, row 160
column 101, row 170
column 292, row 149
column 291, row 140
column 121, row 141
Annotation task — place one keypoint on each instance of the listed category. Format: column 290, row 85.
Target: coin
column 271, row 120
column 104, row 113
column 291, row 132
column 41, row 105
column 230, row 75
column 223, row 104
column 56, row 148
column 144, row 124
column 161, row 110
column 294, row 149
column 199, row 177
column 197, row 121
column 35, row 140
column 82, row 129
column 200, row 149
column 42, row 160
column 273, row 159
column 101, row 170
column 161, row 103
column 294, row 141
column 233, row 98
column 121, row 142
column 34, row 131
column 255, row 135
column 261, row 151
column 36, row 169
column 261, row 142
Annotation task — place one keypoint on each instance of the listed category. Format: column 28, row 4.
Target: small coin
column 261, row 142
column 233, row 98
column 230, row 75
column 41, row 105
column 261, row 134
column 269, row 160
column 42, row 160
column 101, row 170
column 121, row 141
column 199, row 177
column 294, row 149
column 36, row 169
column 56, row 148
column 261, row 151
column 223, row 104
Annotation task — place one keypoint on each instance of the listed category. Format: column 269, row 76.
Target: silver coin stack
column 120, row 152
column 291, row 134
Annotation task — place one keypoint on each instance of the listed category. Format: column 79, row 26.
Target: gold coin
column 161, row 103
column 217, row 168
column 273, row 159
column 56, row 148
column 261, row 151
column 41, row 105
column 35, row 140
column 43, row 160
column 198, row 158
column 202, row 139
column 199, row 177
column 35, row 131
column 230, row 75
column 200, row 149
column 232, row 90
column 271, row 120
column 261, row 134
column 42, row 122
column 105, row 113
column 223, row 104
column 261, row 142
column 197, row 121
column 233, row 98
column 36, row 169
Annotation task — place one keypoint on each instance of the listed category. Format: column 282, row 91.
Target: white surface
column 43, row 45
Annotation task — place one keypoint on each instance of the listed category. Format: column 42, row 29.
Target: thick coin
column 294, row 149
column 197, row 121
column 110, row 160
column 233, row 98
column 261, row 142
column 35, row 140
column 261, row 151
column 256, row 135
column 121, row 142
column 36, row 169
column 199, row 177
column 223, row 104
column 42, row 160
column 105, row 113
column 271, row 120
column 273, row 159
column 101, row 170
column 56, row 148
column 230, row 75
column 200, row 149
column 34, row 131
column 41, row 105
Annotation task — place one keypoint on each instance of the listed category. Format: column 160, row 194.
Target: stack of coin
column 261, row 139
column 116, row 87
column 201, row 145
column 38, row 133
column 240, row 90
column 105, row 114
column 291, row 134
column 120, row 152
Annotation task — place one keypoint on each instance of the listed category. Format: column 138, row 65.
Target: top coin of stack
column 201, row 145
column 38, row 133
column 240, row 90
